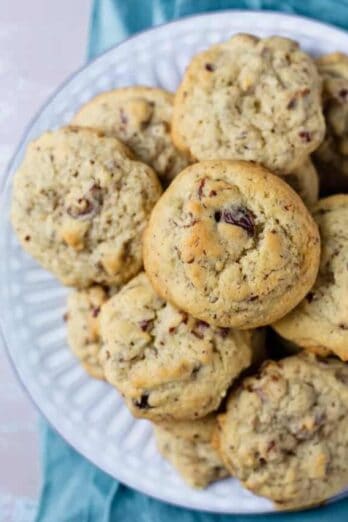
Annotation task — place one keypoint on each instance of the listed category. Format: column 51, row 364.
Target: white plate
column 87, row 413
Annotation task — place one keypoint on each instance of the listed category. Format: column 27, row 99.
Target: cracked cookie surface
column 332, row 156
column 250, row 99
column 141, row 118
column 231, row 244
column 284, row 435
column 80, row 205
column 165, row 363
column 187, row 446
column 320, row 322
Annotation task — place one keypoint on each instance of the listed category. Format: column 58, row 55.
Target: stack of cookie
column 190, row 226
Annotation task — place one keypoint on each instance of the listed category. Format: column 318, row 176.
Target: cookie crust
column 80, row 205
column 320, row 322
column 82, row 318
column 141, row 118
column 187, row 446
column 167, row 364
column 250, row 99
column 285, row 431
column 231, row 244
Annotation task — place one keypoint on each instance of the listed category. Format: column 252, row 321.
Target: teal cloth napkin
column 114, row 20
column 74, row 490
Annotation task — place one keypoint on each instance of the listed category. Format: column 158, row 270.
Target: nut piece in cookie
column 231, row 244
column 250, row 99
column 82, row 318
column 187, row 445
column 165, row 363
column 320, row 322
column 285, row 432
column 141, row 118
column 80, row 205
column 331, row 158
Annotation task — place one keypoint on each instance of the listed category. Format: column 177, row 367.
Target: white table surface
column 41, row 43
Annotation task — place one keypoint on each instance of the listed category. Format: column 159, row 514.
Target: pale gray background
column 41, row 43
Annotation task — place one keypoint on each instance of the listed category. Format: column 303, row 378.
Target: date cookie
column 165, row 363
column 141, row 118
column 187, row 446
column 231, row 244
column 250, row 99
column 80, row 205
column 320, row 322
column 82, row 318
column 285, row 432
column 331, row 157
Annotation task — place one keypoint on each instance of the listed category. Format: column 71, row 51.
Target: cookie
column 305, row 181
column 320, row 321
column 285, row 432
column 141, row 118
column 80, row 205
column 187, row 446
column 331, row 157
column 82, row 318
column 250, row 99
column 231, row 244
column 165, row 363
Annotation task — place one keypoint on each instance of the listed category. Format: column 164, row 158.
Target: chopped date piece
column 87, row 206
column 202, row 325
column 209, row 67
column 224, row 332
column 343, row 94
column 343, row 326
column 184, row 316
column 123, row 117
column 198, row 334
column 305, row 136
column 83, row 209
column 196, row 370
column 292, row 103
column 143, row 403
column 145, row 324
column 199, row 328
column 275, row 378
column 239, row 216
column 260, row 393
column 218, row 469
column 271, row 445
column 310, row 296
column 217, row 216
column 201, row 187
column 319, row 419
column 96, row 193
column 95, row 311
